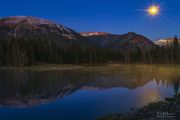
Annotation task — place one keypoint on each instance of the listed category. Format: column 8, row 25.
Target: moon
column 153, row 10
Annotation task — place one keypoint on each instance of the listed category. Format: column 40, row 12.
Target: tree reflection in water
column 22, row 88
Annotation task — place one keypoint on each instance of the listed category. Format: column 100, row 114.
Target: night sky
column 115, row 16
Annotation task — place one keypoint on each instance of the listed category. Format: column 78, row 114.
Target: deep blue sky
column 115, row 16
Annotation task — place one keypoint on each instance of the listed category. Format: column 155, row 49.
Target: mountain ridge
column 128, row 41
column 165, row 41
column 27, row 40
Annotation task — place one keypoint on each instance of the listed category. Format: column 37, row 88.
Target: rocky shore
column 163, row 110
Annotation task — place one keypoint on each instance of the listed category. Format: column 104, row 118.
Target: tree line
column 23, row 52
column 167, row 53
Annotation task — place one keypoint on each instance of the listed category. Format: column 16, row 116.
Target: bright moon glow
column 153, row 10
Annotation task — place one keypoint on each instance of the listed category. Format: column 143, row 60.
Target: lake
column 83, row 94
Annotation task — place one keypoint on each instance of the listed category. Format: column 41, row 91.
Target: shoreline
column 169, row 109
column 46, row 67
column 62, row 67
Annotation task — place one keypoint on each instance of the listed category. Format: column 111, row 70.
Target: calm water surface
column 84, row 94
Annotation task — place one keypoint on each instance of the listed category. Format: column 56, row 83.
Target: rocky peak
column 17, row 24
column 130, row 34
column 27, row 19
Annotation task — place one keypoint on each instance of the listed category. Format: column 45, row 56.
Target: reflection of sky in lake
column 83, row 95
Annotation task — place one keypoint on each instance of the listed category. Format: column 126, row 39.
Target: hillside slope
column 129, row 41
column 26, row 40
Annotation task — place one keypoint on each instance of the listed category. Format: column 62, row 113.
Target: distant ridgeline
column 28, row 40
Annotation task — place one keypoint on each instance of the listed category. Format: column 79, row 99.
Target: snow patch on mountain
column 93, row 33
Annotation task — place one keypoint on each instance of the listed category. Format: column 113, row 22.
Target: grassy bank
column 104, row 66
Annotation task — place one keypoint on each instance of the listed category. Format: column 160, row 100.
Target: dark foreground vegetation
column 23, row 52
column 163, row 110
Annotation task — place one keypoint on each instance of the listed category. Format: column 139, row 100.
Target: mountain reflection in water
column 141, row 83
